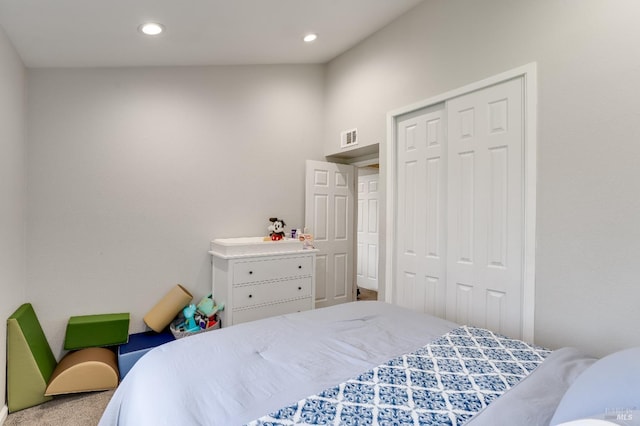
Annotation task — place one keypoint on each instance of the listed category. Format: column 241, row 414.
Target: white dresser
column 258, row 279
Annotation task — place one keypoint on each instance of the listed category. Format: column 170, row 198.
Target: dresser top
column 230, row 248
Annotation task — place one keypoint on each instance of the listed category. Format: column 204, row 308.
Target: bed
column 358, row 363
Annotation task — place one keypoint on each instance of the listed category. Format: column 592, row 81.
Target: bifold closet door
column 420, row 278
column 459, row 214
column 485, row 208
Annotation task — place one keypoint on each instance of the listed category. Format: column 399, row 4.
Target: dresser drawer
column 251, row 314
column 269, row 292
column 272, row 269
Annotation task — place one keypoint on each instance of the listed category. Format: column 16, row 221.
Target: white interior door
column 329, row 216
column 368, row 229
column 421, row 217
column 485, row 208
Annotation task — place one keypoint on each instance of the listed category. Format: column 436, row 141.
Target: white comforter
column 237, row 374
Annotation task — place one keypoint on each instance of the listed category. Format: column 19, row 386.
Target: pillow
column 609, row 386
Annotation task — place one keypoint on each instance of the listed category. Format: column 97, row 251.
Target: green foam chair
column 30, row 362
column 34, row 375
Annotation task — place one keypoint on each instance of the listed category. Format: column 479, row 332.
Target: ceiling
column 92, row 33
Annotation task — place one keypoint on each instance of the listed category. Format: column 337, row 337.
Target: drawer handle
column 299, row 288
column 250, row 296
column 250, row 272
column 299, row 266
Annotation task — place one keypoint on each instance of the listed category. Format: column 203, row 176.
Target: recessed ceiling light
column 310, row 37
column 151, row 28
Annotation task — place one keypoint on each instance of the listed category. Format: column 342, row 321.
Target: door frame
column 359, row 162
column 528, row 73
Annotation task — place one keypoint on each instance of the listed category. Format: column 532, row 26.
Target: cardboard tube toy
column 167, row 308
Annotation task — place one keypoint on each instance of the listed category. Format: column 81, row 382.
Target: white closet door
column 329, row 216
column 368, row 208
column 421, row 197
column 485, row 208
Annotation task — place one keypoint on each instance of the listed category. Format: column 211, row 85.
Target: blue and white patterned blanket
column 444, row 383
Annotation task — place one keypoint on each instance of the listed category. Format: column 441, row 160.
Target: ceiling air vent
column 349, row 138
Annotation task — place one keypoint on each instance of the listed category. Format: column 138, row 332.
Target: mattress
column 238, row 374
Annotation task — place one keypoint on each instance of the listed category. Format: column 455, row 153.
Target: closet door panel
column 421, row 203
column 485, row 193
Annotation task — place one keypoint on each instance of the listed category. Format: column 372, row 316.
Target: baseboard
column 4, row 412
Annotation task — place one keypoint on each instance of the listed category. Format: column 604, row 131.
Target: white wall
column 12, row 192
column 133, row 171
column 587, row 292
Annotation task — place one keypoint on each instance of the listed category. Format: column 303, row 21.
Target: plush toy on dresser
column 276, row 228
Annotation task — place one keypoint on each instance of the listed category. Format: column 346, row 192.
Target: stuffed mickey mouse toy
column 276, row 228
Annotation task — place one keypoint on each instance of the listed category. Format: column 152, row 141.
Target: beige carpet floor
column 83, row 409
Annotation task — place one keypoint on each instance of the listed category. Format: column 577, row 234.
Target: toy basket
column 180, row 334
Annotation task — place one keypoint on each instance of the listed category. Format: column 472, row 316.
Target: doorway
column 334, row 215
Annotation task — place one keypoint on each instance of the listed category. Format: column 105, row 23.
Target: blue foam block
column 138, row 345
